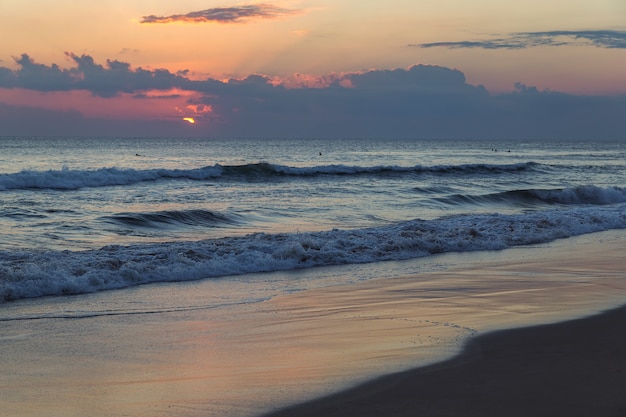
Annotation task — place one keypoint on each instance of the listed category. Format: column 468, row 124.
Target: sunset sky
column 313, row 68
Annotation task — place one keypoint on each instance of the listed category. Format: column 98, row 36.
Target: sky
column 300, row 68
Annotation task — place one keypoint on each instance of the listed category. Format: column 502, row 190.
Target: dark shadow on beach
column 575, row 368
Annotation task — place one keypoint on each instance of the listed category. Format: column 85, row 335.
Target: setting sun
column 190, row 120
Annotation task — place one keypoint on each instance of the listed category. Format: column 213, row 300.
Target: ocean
column 232, row 277
column 82, row 215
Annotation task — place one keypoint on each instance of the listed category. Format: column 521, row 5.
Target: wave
column 39, row 273
column 579, row 195
column 385, row 169
column 71, row 179
column 174, row 217
column 588, row 194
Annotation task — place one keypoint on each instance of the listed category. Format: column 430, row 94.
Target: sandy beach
column 575, row 368
column 571, row 368
column 162, row 350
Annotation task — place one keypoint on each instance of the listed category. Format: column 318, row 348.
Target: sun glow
column 190, row 120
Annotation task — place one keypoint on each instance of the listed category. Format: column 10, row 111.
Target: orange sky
column 558, row 45
column 313, row 37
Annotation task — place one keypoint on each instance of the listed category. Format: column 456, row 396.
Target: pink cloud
column 148, row 106
column 420, row 101
column 235, row 14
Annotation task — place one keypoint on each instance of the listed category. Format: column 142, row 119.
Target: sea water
column 80, row 215
column 227, row 230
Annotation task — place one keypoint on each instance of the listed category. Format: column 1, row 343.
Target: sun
column 190, row 120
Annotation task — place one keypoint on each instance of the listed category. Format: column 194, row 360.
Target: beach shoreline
column 572, row 368
column 163, row 350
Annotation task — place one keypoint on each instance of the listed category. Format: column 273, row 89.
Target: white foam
column 38, row 273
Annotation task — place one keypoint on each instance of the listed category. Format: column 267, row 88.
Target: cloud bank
column 111, row 79
column 613, row 39
column 422, row 101
column 235, row 14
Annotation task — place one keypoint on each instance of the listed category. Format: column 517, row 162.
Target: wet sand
column 164, row 350
column 576, row 368
column 570, row 368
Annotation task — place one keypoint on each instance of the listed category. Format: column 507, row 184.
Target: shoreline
column 169, row 349
column 573, row 368
column 532, row 367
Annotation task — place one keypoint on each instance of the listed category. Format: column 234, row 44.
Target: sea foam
column 38, row 273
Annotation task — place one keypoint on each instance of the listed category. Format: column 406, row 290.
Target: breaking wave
column 31, row 273
column 588, row 194
column 71, row 179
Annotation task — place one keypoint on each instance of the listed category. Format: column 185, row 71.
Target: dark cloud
column 118, row 77
column 37, row 76
column 101, row 80
column 612, row 39
column 422, row 78
column 235, row 14
column 422, row 101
